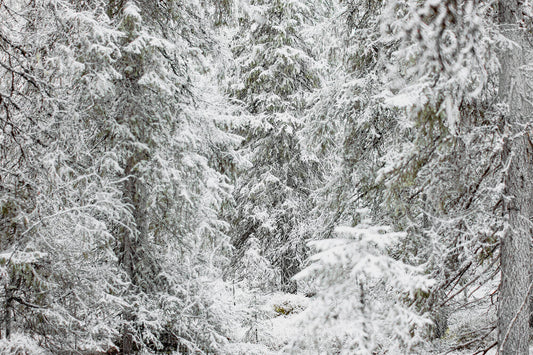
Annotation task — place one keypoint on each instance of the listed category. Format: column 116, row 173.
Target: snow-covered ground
column 277, row 320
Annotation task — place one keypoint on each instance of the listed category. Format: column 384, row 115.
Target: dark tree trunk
column 135, row 196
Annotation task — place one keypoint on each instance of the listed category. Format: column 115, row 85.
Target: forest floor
column 274, row 324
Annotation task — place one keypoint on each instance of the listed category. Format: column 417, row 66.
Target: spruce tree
column 118, row 180
column 275, row 72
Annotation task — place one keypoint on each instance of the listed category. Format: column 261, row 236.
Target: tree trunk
column 128, row 264
column 515, row 252
column 135, row 195
column 8, row 310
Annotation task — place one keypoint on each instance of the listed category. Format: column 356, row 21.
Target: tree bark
column 135, row 195
column 8, row 310
column 515, row 248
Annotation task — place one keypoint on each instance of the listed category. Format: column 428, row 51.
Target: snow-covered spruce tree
column 166, row 151
column 275, row 71
column 365, row 299
column 348, row 128
column 53, row 202
column 113, row 235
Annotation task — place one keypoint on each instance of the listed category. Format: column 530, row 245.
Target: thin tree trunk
column 128, row 264
column 8, row 310
column 515, row 252
column 135, row 195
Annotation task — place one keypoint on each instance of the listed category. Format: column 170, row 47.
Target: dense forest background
column 265, row 176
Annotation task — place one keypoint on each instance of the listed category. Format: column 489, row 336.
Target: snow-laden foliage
column 411, row 109
column 274, row 72
column 365, row 300
column 20, row 344
column 55, row 204
column 167, row 167
column 117, row 182
column 450, row 174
